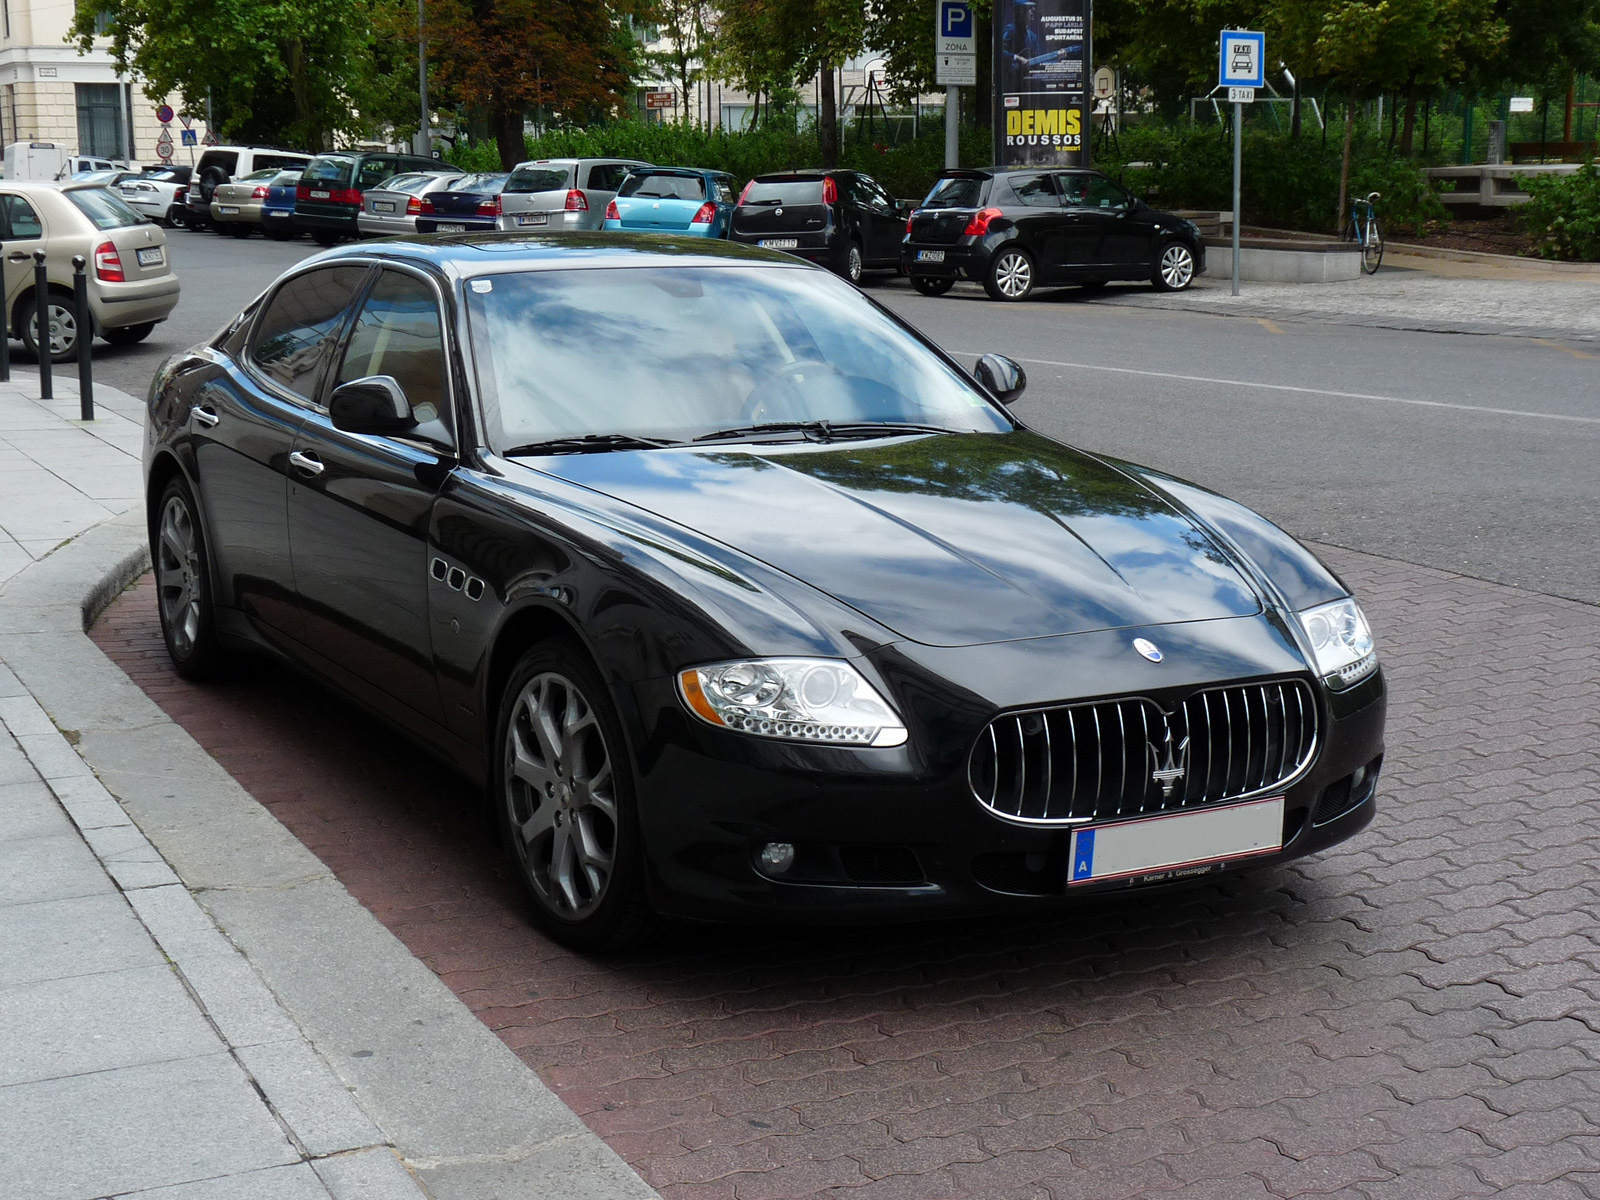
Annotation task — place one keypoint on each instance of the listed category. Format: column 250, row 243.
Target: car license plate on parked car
column 228, row 210
column 930, row 255
column 1170, row 846
column 383, row 206
column 152, row 256
column 533, row 218
column 320, row 195
column 451, row 227
column 779, row 243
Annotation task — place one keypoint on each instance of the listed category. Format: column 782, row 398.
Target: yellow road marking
column 1563, row 349
column 1269, row 326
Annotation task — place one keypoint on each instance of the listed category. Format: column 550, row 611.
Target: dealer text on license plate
column 1177, row 844
column 533, row 218
column 451, row 227
column 780, row 243
column 930, row 255
column 152, row 257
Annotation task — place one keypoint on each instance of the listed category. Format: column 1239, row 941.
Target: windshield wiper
column 588, row 443
column 824, row 431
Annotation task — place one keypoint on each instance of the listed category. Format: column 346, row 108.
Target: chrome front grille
column 1131, row 757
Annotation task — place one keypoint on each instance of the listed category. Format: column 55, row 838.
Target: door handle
column 205, row 416
column 307, row 464
column 19, row 257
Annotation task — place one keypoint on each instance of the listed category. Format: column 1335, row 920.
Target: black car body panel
column 328, row 200
column 1078, row 226
column 470, row 205
column 966, row 577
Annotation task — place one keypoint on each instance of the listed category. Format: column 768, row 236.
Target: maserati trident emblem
column 1147, row 648
column 1169, row 763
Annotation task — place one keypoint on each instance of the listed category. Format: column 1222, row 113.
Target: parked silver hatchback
column 560, row 195
column 131, row 284
column 391, row 208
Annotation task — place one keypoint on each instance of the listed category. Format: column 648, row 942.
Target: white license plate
column 228, row 210
column 1177, row 844
column 930, row 255
column 779, row 243
column 533, row 218
column 318, row 195
column 383, row 206
column 152, row 257
column 450, row 227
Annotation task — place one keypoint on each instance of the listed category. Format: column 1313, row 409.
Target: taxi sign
column 1243, row 61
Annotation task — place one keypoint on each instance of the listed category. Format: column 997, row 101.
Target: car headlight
column 1341, row 642
column 796, row 699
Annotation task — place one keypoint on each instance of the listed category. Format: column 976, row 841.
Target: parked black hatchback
column 327, row 204
column 1015, row 230
column 843, row 220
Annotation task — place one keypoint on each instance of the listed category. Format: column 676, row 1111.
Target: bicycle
column 1363, row 229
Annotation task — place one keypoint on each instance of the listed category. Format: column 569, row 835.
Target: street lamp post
column 424, row 139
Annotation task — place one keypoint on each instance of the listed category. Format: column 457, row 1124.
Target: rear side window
column 1036, row 191
column 961, row 192
column 539, row 179
column 286, row 178
column 399, row 334
column 664, row 187
column 607, row 177
column 21, row 220
column 328, row 172
column 279, row 161
column 225, row 160
column 106, row 209
column 724, row 189
column 785, row 191
column 374, row 171
column 293, row 335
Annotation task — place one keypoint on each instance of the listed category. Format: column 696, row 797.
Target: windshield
column 960, row 192
column 680, row 352
column 539, row 179
column 327, row 172
column 106, row 209
column 785, row 191
column 664, row 187
column 486, row 183
column 258, row 176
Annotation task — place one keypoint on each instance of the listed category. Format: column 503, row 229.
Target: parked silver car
column 131, row 284
column 236, row 205
column 391, row 208
column 157, row 194
column 559, row 195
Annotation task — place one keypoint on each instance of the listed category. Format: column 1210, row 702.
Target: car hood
column 945, row 540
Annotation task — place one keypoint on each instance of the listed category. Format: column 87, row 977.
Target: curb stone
column 386, row 1082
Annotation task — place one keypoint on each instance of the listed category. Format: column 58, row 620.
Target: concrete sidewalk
column 303, row 1054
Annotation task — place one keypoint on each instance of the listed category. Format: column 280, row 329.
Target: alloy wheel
column 560, row 796
column 852, row 264
column 63, row 328
column 1177, row 267
column 178, row 575
column 1013, row 275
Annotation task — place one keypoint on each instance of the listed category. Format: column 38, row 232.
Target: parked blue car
column 277, row 210
column 469, row 205
column 673, row 200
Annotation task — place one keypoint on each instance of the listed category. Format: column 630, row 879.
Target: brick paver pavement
column 1411, row 1015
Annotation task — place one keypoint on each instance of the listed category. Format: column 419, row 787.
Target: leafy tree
column 682, row 25
column 573, row 58
column 295, row 71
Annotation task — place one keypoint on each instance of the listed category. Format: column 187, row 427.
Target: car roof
column 802, row 173
column 463, row 255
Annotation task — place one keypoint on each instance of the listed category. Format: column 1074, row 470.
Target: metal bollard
column 41, row 296
column 80, row 303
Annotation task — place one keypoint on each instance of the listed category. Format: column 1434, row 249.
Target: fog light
column 777, row 857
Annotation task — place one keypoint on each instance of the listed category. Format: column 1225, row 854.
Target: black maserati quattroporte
column 740, row 598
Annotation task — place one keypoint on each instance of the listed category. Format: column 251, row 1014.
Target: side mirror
column 374, row 404
column 1004, row 379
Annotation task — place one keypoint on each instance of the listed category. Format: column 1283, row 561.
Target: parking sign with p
column 956, row 34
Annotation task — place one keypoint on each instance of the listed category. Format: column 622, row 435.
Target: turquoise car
column 673, row 200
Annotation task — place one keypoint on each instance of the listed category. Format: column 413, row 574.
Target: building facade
column 51, row 93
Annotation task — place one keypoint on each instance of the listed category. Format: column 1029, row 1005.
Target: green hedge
column 906, row 170
column 1564, row 214
column 1285, row 183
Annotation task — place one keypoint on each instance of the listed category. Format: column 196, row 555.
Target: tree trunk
column 827, row 118
column 1344, row 164
column 506, row 120
column 1407, row 133
column 1394, row 120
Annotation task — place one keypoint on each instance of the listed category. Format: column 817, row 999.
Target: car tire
column 279, row 235
column 240, row 229
column 182, row 565
column 325, row 239
column 1174, row 270
column 563, row 797
column 852, row 263
column 1010, row 276
column 176, row 218
column 128, row 335
column 63, row 318
column 930, row 285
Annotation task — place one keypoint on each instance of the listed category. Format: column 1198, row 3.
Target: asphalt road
column 1473, row 454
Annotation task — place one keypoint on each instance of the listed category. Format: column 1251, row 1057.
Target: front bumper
column 897, row 834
